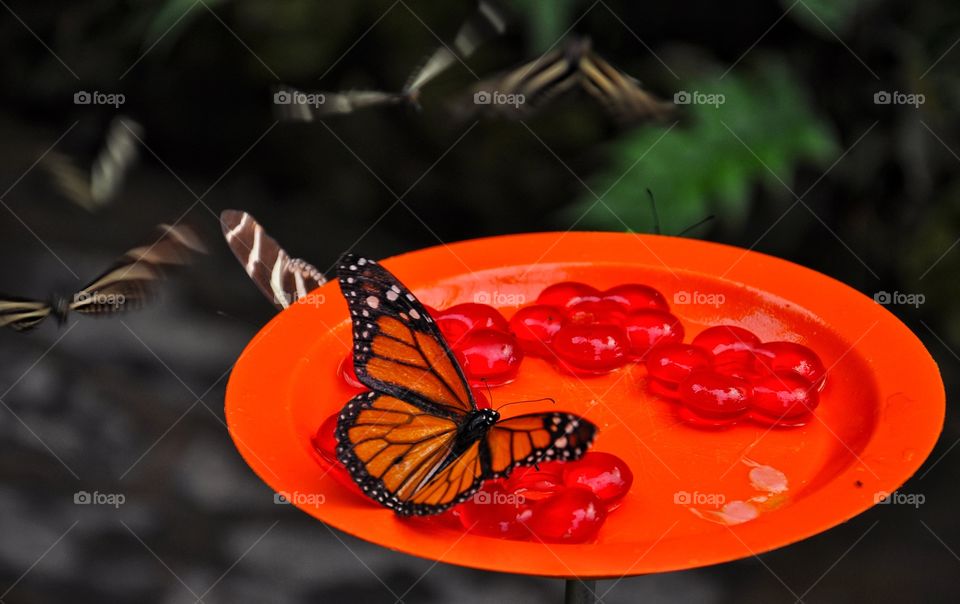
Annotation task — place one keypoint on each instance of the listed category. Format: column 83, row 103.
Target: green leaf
column 760, row 132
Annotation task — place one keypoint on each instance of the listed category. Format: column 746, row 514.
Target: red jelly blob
column 783, row 396
column 534, row 326
column 571, row 516
column 496, row 512
column 325, row 440
column 347, row 372
column 675, row 361
column 648, row 328
column 635, row 296
column 710, row 393
column 789, row 356
column 489, row 356
column 459, row 320
column 590, row 312
column 728, row 344
column 567, row 294
column 536, row 482
column 667, row 390
column 605, row 474
column 591, row 348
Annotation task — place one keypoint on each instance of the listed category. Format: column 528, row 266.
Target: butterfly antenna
column 656, row 216
column 695, row 225
column 489, row 391
column 533, row 400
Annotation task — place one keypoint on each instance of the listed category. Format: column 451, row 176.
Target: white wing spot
column 392, row 295
column 373, row 301
column 414, row 313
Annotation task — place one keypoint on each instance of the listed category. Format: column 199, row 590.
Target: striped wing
column 398, row 349
column 103, row 183
column 537, row 82
column 488, row 21
column 530, row 439
column 22, row 315
column 620, row 94
column 283, row 280
column 131, row 282
column 292, row 105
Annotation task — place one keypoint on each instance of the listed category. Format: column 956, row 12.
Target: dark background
column 136, row 407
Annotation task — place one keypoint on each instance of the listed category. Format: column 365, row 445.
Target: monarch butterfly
column 417, row 443
column 574, row 64
column 102, row 185
column 486, row 22
column 282, row 279
column 127, row 285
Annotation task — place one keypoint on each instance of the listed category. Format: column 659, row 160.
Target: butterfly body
column 418, row 443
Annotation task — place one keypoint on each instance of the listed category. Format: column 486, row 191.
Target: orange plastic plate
column 880, row 413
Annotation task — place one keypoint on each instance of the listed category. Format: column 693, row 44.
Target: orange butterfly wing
column 536, row 437
column 398, row 349
column 403, row 456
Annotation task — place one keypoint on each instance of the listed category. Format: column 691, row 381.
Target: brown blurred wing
column 537, row 83
column 130, row 283
column 103, row 183
column 398, row 349
column 306, row 106
column 620, row 94
column 22, row 315
column 488, row 21
column 530, row 439
column 283, row 280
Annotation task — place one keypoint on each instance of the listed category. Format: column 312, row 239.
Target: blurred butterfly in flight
column 127, row 285
column 418, row 443
column 523, row 90
column 105, row 179
column 291, row 104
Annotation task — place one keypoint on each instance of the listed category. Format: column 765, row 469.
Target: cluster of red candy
column 727, row 374
column 555, row 502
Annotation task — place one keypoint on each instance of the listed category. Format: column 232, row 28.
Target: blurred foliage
column 545, row 21
column 761, row 130
column 824, row 16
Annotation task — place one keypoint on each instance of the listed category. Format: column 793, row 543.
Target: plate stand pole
column 580, row 592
